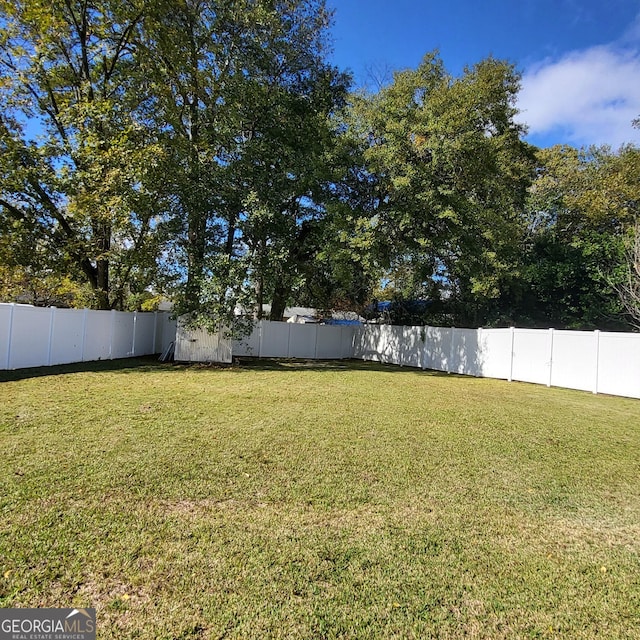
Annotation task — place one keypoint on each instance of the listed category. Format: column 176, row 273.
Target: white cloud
column 585, row 97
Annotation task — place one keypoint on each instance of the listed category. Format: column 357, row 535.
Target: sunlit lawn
column 339, row 500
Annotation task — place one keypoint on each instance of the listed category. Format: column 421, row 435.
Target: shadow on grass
column 151, row 364
column 293, row 364
column 123, row 365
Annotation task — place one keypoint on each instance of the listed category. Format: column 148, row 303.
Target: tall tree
column 289, row 165
column 74, row 161
column 582, row 205
column 451, row 174
column 628, row 286
column 242, row 96
column 193, row 64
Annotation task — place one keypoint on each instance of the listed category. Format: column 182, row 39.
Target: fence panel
column 97, row 338
column 145, row 327
column 466, row 356
column 532, row 355
column 358, row 340
column 347, row 338
column 249, row 345
column 67, row 336
column 574, row 360
column 37, row 336
column 367, row 344
column 437, row 353
column 275, row 340
column 592, row 361
column 30, row 332
column 302, row 340
column 412, row 346
column 392, row 346
column 376, row 345
column 271, row 339
column 619, row 364
column 495, row 347
column 330, row 342
column 166, row 329
column 201, row 345
column 122, row 334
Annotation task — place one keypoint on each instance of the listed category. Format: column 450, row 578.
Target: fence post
column 113, row 333
column 85, row 313
column 52, row 320
column 596, row 334
column 288, row 339
column 133, row 338
column 155, row 331
column 425, row 350
column 260, row 338
column 512, row 330
column 451, row 349
column 10, row 335
column 550, row 356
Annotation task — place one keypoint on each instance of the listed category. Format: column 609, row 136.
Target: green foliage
column 179, row 144
column 79, row 189
column 242, row 95
column 628, row 285
column 580, row 209
column 209, row 150
column 288, row 165
column 451, row 174
column 21, row 284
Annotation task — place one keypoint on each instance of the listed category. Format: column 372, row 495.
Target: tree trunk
column 260, row 295
column 193, row 288
column 102, row 267
column 196, row 251
column 281, row 295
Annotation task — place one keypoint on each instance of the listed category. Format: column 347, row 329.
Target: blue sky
column 580, row 59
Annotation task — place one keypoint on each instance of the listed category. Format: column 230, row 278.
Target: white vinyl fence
column 595, row 361
column 289, row 340
column 39, row 336
column 201, row 345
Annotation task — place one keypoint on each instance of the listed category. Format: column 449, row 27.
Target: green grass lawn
column 337, row 500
